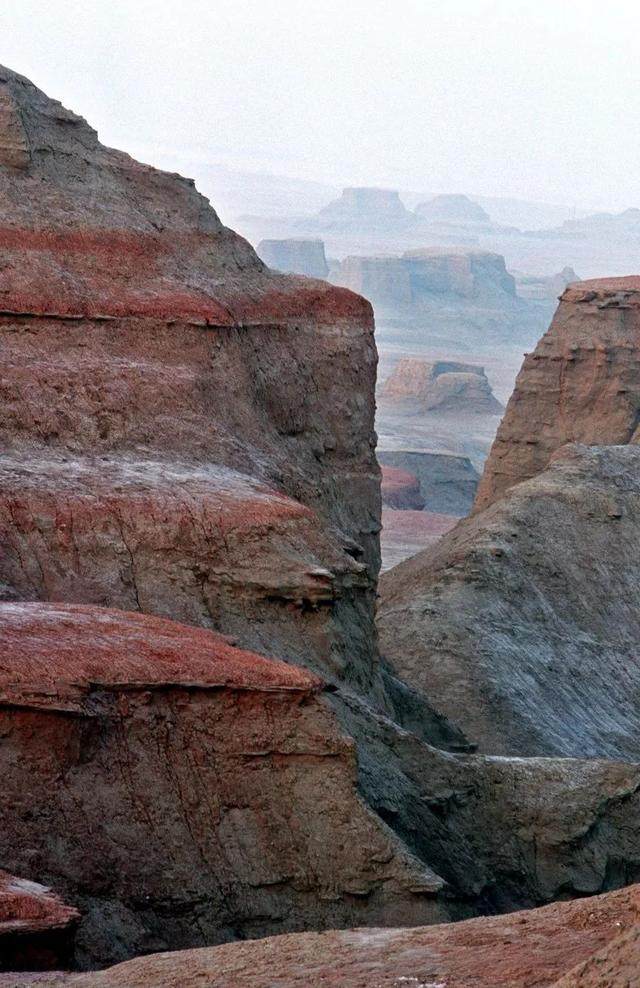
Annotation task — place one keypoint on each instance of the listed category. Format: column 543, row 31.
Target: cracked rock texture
column 522, row 950
column 580, row 385
column 170, row 781
column 521, row 625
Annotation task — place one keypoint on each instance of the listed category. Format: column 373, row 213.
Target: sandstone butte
column 401, row 489
column 443, row 386
column 580, row 385
column 188, row 436
column 531, row 949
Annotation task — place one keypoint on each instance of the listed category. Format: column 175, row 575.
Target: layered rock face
column 401, row 489
column 296, row 256
column 520, row 626
column 446, row 386
column 579, row 385
column 36, row 927
column 139, row 303
column 168, row 737
column 419, row 276
column 522, row 950
column 448, row 483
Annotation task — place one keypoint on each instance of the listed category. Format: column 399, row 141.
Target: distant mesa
column 456, row 209
column 295, row 256
column 448, row 482
column 545, row 288
column 611, row 226
column 401, row 489
column 445, row 386
column 419, row 276
column 366, row 207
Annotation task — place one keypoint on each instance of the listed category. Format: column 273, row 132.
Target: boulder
column 580, row 385
column 296, row 256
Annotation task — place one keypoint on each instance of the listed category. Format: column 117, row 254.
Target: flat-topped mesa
column 581, row 384
column 401, row 489
column 167, row 736
column 137, row 328
column 366, row 208
column 443, row 385
column 295, row 256
column 453, row 209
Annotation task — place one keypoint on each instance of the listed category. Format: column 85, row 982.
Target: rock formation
column 419, row 276
column 545, row 289
column 457, row 210
column 444, row 386
column 522, row 950
column 520, row 626
column 36, row 927
column 189, row 435
column 448, row 483
column 168, row 737
column 579, row 385
column 295, row 256
column 365, row 208
column 615, row 966
column 401, row 489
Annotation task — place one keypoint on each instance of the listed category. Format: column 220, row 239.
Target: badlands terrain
column 217, row 769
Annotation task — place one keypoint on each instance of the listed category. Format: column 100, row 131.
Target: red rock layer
column 36, row 927
column 126, row 735
column 401, row 489
column 521, row 950
column 579, row 385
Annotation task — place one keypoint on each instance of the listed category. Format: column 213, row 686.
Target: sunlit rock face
column 580, row 384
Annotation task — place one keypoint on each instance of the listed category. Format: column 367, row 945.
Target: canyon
column 190, row 512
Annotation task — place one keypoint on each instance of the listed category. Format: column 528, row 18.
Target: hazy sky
column 538, row 99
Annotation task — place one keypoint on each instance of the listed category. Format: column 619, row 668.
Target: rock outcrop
column 448, row 483
column 36, row 927
column 295, row 256
column 580, row 385
column 522, row 950
column 125, row 735
column 365, row 208
column 520, row 626
column 420, row 276
column 444, row 386
column 615, row 966
column 401, row 489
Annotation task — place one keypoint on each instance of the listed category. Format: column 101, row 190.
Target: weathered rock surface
column 448, row 483
column 295, row 256
column 579, row 385
column 190, row 364
column 521, row 625
column 444, row 386
column 36, row 927
column 125, row 735
column 401, row 489
column 522, row 950
column 615, row 966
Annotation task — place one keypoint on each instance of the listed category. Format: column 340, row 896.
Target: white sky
column 539, row 100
